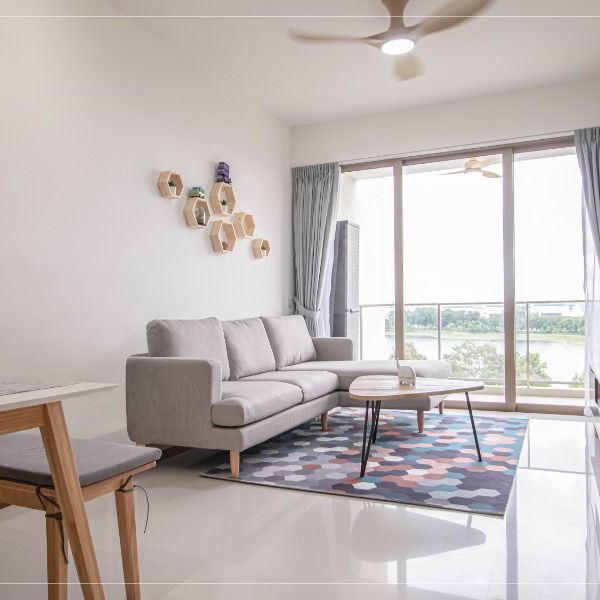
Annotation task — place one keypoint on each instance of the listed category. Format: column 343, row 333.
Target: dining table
column 31, row 406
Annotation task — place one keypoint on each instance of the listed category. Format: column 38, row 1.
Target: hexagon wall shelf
column 222, row 236
column 261, row 248
column 196, row 213
column 222, row 199
column 243, row 224
column 166, row 191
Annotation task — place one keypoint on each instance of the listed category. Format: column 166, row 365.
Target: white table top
column 386, row 387
column 45, row 396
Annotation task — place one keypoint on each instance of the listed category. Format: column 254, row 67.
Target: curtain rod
column 490, row 144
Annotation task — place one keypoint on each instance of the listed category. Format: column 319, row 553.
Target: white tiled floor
column 220, row 540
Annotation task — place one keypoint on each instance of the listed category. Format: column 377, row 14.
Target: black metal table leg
column 473, row 425
column 364, row 444
column 375, row 428
column 367, row 440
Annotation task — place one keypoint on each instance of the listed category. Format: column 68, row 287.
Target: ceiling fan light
column 397, row 46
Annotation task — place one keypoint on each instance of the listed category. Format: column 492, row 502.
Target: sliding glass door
column 474, row 258
column 453, row 265
column 549, row 273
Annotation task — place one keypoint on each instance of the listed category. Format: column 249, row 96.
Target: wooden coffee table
column 375, row 389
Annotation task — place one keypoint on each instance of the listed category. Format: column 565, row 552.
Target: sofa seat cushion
column 290, row 340
column 348, row 370
column 248, row 348
column 245, row 402
column 188, row 338
column 313, row 384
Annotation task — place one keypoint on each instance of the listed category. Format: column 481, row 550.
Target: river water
column 564, row 359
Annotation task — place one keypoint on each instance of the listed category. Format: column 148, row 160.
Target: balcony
column 550, row 343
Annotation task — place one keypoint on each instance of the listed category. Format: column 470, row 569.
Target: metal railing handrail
column 526, row 303
column 473, row 303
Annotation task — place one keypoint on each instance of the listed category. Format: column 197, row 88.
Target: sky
column 453, row 233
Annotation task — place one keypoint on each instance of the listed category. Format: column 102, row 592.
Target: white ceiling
column 516, row 44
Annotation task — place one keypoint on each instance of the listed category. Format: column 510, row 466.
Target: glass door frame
column 507, row 152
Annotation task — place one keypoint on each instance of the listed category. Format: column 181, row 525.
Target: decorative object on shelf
column 406, row 375
column 223, row 173
column 261, row 248
column 222, row 236
column 170, row 185
column 196, row 212
column 222, row 199
column 243, row 224
column 197, row 192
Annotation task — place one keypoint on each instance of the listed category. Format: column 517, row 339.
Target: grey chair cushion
column 348, row 370
column 290, row 340
column 189, row 338
column 313, row 384
column 248, row 348
column 22, row 458
column 245, row 402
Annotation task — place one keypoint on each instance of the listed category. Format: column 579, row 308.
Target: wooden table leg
column 57, row 548
column 127, row 534
column 66, row 482
column 421, row 420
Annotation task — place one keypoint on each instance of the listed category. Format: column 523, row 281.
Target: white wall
column 470, row 122
column 90, row 111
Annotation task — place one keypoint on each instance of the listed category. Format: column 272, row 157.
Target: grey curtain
column 587, row 144
column 314, row 210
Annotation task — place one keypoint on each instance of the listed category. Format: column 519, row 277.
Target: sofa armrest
column 169, row 399
column 333, row 348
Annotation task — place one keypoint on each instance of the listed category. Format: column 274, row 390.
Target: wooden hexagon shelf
column 222, row 199
column 222, row 236
column 243, row 224
column 261, row 248
column 196, row 213
column 170, row 185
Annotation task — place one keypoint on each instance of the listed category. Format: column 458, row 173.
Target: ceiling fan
column 475, row 165
column 399, row 39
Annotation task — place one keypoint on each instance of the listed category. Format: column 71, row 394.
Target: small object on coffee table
column 406, row 374
column 375, row 389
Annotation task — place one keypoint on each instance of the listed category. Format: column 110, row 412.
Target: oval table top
column 387, row 387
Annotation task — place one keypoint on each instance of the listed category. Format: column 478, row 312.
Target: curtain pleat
column 314, row 210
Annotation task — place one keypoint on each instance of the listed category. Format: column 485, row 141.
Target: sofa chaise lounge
column 231, row 385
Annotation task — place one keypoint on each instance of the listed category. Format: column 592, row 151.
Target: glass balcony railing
column 550, row 343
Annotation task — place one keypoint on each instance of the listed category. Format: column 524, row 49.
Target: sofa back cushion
column 248, row 348
column 189, row 338
column 290, row 340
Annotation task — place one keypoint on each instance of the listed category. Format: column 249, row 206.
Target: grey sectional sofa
column 234, row 384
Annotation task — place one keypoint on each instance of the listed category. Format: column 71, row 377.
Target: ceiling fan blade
column 313, row 37
column 490, row 174
column 450, row 15
column 408, row 66
column 455, row 172
column 491, row 160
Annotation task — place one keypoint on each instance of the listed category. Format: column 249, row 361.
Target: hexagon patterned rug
column 437, row 468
